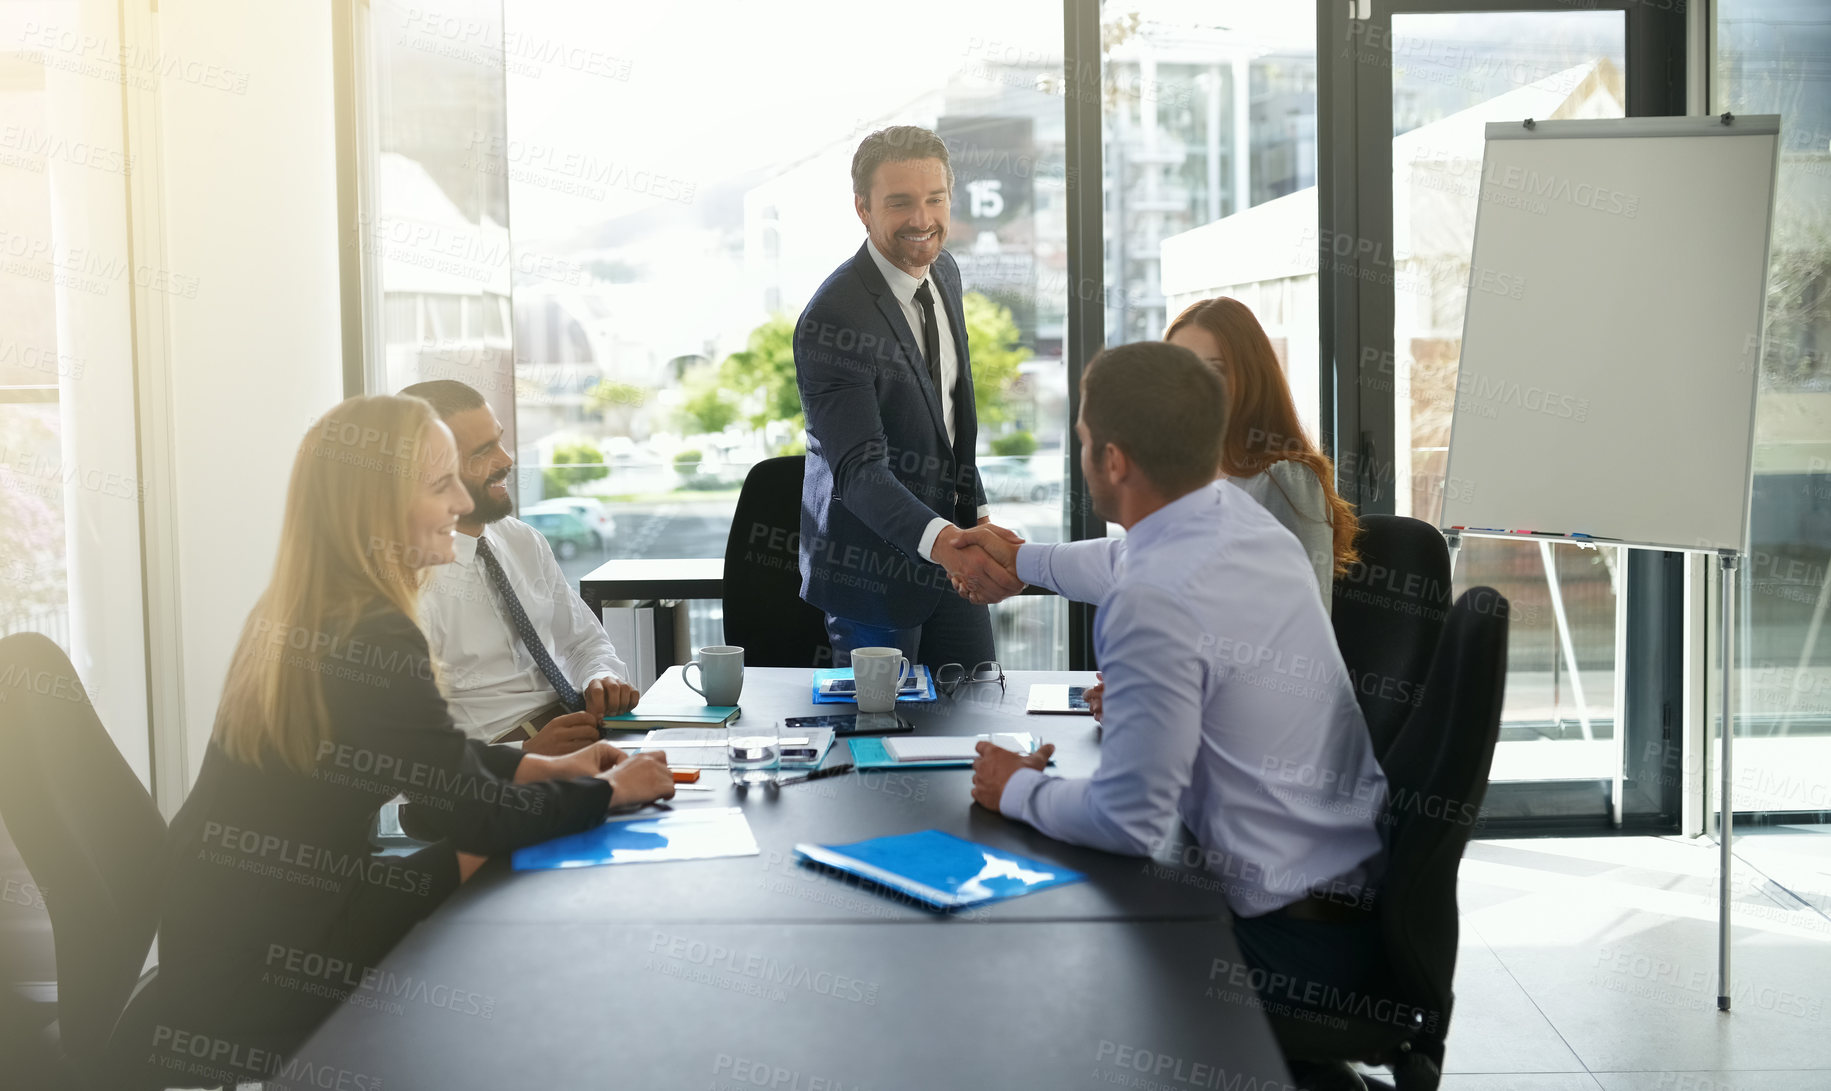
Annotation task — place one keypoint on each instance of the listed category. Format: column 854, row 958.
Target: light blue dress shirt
column 1227, row 706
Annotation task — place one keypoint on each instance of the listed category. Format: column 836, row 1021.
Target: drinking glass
column 754, row 752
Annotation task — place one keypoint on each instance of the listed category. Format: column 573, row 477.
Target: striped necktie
column 529, row 638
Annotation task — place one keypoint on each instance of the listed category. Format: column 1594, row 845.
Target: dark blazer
column 276, row 907
column 879, row 465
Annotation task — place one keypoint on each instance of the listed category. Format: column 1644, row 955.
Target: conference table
column 758, row 971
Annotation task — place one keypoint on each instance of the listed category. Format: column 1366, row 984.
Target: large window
column 1774, row 57
column 1210, row 152
column 700, row 185
column 434, row 219
column 70, row 487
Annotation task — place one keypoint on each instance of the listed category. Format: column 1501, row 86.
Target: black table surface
column 757, row 971
column 807, row 1007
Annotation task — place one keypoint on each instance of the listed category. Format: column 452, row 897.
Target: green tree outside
column 573, row 464
column 762, row 376
column 710, row 405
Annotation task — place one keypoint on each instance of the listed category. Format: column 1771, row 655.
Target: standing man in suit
column 882, row 365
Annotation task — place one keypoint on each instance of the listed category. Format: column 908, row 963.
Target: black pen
column 818, row 774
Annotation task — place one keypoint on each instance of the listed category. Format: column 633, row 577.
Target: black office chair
column 95, row 845
column 1388, row 614
column 1437, row 774
column 764, row 611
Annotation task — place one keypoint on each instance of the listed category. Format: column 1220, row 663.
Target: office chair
column 764, row 611
column 1388, row 614
column 95, row 845
column 1437, row 776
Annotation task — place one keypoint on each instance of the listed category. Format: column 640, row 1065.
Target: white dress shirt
column 1227, row 705
column 903, row 287
column 487, row 675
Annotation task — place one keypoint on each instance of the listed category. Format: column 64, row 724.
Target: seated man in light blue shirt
column 1227, row 705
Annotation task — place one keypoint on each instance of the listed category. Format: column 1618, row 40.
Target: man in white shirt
column 520, row 654
column 1227, row 706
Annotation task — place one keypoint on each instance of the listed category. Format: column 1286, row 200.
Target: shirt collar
column 902, row 285
column 1191, row 505
column 464, row 547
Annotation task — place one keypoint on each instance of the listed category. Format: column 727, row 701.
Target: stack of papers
column 704, row 747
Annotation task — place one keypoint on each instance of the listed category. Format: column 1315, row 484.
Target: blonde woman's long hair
column 343, row 552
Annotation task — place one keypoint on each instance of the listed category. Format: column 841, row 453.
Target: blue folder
column 939, row 870
column 924, row 693
column 698, row 834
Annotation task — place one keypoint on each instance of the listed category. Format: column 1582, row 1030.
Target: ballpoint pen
column 819, row 774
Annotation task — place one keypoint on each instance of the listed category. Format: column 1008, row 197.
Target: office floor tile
column 1495, row 1027
column 1542, row 1081
column 1613, row 940
column 1810, row 1080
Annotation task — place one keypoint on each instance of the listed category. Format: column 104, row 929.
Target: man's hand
column 564, row 734
column 994, row 766
column 1095, row 695
column 608, row 697
column 981, row 562
column 641, row 779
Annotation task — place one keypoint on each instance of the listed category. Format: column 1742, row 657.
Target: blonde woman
column 276, row 907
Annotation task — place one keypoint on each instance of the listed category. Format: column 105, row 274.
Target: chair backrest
column 1437, row 775
column 87, row 830
column 1388, row 615
column 764, row 612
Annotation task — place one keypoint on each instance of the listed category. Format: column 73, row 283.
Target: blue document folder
column 698, row 834
column 923, row 692
column 940, row 870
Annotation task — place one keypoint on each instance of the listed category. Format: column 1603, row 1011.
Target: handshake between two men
column 981, row 562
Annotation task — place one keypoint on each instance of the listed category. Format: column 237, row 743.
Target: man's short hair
column 893, row 145
column 1162, row 406
column 449, row 397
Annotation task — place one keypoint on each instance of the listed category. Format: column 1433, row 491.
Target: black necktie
column 931, row 336
column 529, row 638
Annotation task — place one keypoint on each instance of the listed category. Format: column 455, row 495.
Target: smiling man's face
column 907, row 213
column 483, row 466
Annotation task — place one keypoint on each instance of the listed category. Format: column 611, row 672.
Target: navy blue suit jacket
column 879, row 464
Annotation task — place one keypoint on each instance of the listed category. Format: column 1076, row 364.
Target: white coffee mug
column 878, row 673
column 721, row 670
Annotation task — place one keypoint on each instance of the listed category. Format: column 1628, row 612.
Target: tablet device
column 860, row 723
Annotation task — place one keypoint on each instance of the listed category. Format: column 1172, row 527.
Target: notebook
column 644, row 719
column 931, row 751
column 939, row 870
column 1049, row 698
column 646, row 837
